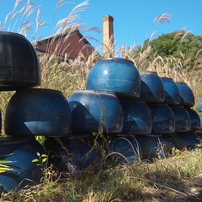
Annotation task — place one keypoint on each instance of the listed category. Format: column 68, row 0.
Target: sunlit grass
column 177, row 178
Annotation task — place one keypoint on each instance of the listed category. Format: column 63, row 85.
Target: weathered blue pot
column 152, row 87
column 41, row 112
column 114, row 74
column 200, row 104
column 199, row 134
column 189, row 140
column 186, row 95
column 153, row 146
column 124, row 148
column 162, row 118
column 194, row 118
column 182, row 119
column 19, row 64
column 172, row 94
column 137, row 117
column 21, row 152
column 172, row 140
column 200, row 114
column 73, row 153
column 92, row 109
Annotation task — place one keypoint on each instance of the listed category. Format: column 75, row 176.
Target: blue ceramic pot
column 137, row 117
column 162, row 118
column 152, row 87
column 200, row 114
column 194, row 118
column 114, row 74
column 172, row 94
column 19, row 64
column 199, row 134
column 124, row 148
column 92, row 109
column 186, row 95
column 21, row 152
column 73, row 153
column 41, row 112
column 182, row 119
column 153, row 146
column 200, row 104
column 173, row 140
column 189, row 140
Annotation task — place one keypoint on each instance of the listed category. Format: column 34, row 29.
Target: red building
column 66, row 45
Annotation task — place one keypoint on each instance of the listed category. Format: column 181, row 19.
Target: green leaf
column 38, row 154
column 35, row 160
column 4, row 161
column 44, row 160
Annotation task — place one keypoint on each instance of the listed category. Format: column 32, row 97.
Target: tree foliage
column 179, row 44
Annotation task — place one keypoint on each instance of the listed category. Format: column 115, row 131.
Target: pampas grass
column 171, row 179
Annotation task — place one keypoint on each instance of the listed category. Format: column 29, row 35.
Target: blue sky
column 133, row 19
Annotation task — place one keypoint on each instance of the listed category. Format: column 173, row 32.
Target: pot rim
column 115, row 59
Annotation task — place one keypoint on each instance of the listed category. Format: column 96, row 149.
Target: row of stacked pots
column 123, row 111
column 138, row 111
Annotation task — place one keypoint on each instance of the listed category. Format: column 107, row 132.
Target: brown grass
column 177, row 178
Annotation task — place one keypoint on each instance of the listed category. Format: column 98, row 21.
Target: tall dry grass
column 174, row 179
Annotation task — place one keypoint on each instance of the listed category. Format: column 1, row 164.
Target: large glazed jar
column 153, row 146
column 194, row 118
column 182, row 119
column 38, row 112
column 163, row 120
column 172, row 94
column 137, row 117
column 124, row 148
column 186, row 95
column 114, row 74
column 189, row 140
column 200, row 104
column 73, row 153
column 19, row 64
column 152, row 87
column 19, row 154
column 172, row 140
column 92, row 110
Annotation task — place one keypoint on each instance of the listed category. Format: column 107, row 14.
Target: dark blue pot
column 114, row 74
column 173, row 140
column 182, row 119
column 200, row 104
column 124, row 149
column 19, row 64
column 21, row 151
column 200, row 114
column 73, row 153
column 137, row 117
column 162, row 118
column 189, row 140
column 92, row 109
column 153, row 146
column 172, row 94
column 152, row 87
column 186, row 95
column 199, row 134
column 41, row 112
column 194, row 118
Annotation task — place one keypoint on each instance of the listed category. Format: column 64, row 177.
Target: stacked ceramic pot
column 30, row 112
column 199, row 132
column 187, row 120
column 109, row 80
column 153, row 92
